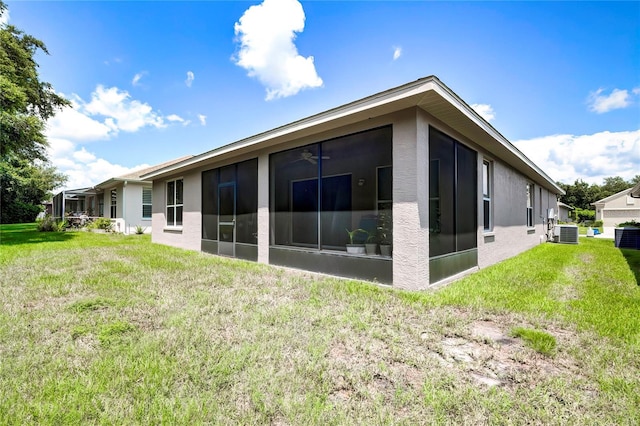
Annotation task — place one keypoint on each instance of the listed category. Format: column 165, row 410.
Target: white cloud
column 137, row 77
column 83, row 156
column 485, row 110
column 175, row 117
column 397, row 52
column 266, row 33
column 203, row 119
column 83, row 168
column 600, row 103
column 4, row 18
column 72, row 124
column 110, row 111
column 125, row 113
column 588, row 157
column 190, row 78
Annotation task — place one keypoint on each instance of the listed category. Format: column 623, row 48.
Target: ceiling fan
column 305, row 155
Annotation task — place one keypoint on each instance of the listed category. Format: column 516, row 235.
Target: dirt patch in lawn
column 480, row 351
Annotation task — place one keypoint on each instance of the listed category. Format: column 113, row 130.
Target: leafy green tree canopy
column 581, row 194
column 24, row 186
column 26, row 103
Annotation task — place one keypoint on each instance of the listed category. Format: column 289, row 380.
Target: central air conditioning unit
column 628, row 238
column 565, row 234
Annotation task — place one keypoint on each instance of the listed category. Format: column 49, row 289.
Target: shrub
column 140, row 230
column 103, row 223
column 629, row 224
column 50, row 224
column 597, row 224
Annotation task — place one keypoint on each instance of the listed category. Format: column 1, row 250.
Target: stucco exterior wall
column 188, row 236
column 263, row 208
column 132, row 206
column 510, row 235
column 563, row 214
column 410, row 201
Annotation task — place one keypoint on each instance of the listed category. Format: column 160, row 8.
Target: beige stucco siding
column 618, row 209
column 189, row 235
column 509, row 236
column 410, row 201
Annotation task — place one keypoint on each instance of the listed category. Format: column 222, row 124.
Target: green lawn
column 111, row 329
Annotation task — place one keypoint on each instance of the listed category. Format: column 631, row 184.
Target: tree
column 613, row 185
column 24, row 187
column 26, row 103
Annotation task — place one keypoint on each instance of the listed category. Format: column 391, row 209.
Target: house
column 125, row 199
column 564, row 212
column 618, row 208
column 635, row 191
column 414, row 166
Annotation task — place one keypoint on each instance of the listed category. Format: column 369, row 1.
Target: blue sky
column 153, row 81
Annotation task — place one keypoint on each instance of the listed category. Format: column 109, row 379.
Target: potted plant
column 371, row 245
column 385, row 224
column 355, row 248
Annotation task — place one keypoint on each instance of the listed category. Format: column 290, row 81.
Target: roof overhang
column 118, row 180
column 77, row 192
column 428, row 93
column 635, row 191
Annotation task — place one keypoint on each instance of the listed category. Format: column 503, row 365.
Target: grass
column 111, row 329
column 540, row 341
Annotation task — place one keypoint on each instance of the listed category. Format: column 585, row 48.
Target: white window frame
column 530, row 205
column 113, row 206
column 150, row 203
column 175, row 204
column 488, row 196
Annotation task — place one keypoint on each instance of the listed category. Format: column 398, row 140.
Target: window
column 114, row 203
column 146, row 203
column 530, row 205
column 319, row 191
column 174, row 202
column 487, row 192
column 540, row 200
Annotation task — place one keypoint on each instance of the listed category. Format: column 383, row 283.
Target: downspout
column 64, row 195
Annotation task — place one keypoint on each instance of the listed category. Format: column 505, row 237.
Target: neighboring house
column 125, row 199
column 618, row 208
column 564, row 212
column 72, row 201
column 414, row 163
column 635, row 191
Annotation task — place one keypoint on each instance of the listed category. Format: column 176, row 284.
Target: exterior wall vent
column 565, row 234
